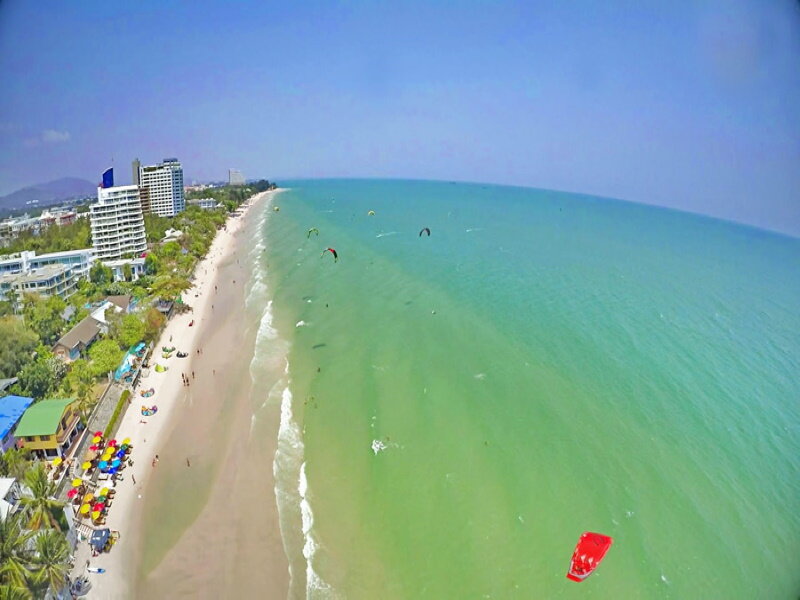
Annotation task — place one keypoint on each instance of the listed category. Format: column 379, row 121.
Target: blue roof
column 11, row 410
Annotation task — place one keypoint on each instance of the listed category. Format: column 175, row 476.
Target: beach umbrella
column 98, row 434
column 98, row 506
column 113, row 470
column 112, row 442
column 94, row 447
column 72, row 493
column 126, row 441
column 57, row 461
column 97, row 439
column 121, row 453
column 85, row 509
column 115, row 463
column 77, row 482
column 96, row 515
column 103, row 465
column 88, row 498
column 103, row 491
column 86, row 466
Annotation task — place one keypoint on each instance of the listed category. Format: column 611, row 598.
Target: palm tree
column 41, row 508
column 12, row 592
column 52, row 562
column 15, row 554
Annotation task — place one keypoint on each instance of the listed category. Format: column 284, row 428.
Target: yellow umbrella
column 88, row 497
column 97, row 439
column 77, row 482
column 57, row 461
column 85, row 509
column 96, row 515
column 126, row 441
column 86, row 466
column 104, row 492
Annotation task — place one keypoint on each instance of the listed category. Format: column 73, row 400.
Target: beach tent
column 99, row 539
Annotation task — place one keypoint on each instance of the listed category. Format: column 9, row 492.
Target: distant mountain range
column 47, row 194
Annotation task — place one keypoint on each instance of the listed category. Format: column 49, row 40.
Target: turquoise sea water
column 543, row 364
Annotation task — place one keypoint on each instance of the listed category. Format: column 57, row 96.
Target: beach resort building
column 118, row 223
column 10, row 494
column 161, row 187
column 118, row 268
column 235, row 177
column 74, row 344
column 49, row 280
column 204, row 203
column 11, row 410
column 49, row 427
column 80, row 261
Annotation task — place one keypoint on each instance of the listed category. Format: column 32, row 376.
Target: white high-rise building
column 162, row 188
column 117, row 223
column 235, row 177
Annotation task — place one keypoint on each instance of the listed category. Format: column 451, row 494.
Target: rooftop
column 84, row 332
column 43, row 417
column 11, row 409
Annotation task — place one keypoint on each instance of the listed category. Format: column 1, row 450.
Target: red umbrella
column 96, row 433
column 72, row 493
column 112, row 442
column 94, row 447
column 98, row 506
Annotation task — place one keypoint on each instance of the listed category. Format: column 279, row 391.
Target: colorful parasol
column 72, row 493
column 86, row 466
column 57, row 461
column 96, row 515
column 77, row 482
column 98, row 506
column 126, row 441
column 97, row 439
column 85, row 509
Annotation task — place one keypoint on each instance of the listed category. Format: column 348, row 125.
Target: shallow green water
column 542, row 364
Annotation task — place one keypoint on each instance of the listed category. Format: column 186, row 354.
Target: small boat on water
column 589, row 552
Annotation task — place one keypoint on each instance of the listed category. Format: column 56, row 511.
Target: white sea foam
column 378, row 446
column 380, row 235
column 300, row 324
column 289, row 464
column 480, row 376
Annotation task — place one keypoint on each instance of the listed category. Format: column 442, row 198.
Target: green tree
column 17, row 348
column 101, row 274
column 52, row 563
column 37, row 379
column 151, row 264
column 15, row 554
column 131, row 330
column 14, row 463
column 153, row 321
column 127, row 272
column 43, row 315
column 105, row 356
column 170, row 287
column 42, row 510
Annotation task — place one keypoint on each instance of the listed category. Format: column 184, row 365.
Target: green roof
column 42, row 418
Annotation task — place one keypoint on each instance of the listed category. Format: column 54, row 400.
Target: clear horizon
column 690, row 107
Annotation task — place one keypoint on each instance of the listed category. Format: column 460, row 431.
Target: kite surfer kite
column 424, row 230
column 312, row 230
column 332, row 251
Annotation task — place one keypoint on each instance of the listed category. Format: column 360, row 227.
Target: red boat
column 591, row 549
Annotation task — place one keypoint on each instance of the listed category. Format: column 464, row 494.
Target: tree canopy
column 105, row 356
column 18, row 345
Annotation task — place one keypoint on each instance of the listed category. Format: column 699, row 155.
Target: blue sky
column 692, row 105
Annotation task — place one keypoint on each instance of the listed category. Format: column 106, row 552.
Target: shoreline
column 215, row 313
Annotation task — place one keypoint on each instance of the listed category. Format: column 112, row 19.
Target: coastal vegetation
column 30, row 325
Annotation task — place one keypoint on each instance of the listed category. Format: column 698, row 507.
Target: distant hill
column 47, row 194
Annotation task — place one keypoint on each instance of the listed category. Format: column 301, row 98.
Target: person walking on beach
column 188, row 464
column 133, row 478
column 192, row 374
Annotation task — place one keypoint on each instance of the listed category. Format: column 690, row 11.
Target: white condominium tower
column 161, row 187
column 235, row 177
column 117, row 223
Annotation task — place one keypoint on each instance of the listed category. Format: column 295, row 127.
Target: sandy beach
column 201, row 521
